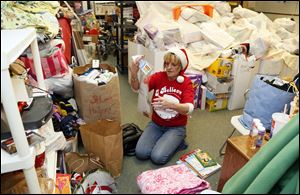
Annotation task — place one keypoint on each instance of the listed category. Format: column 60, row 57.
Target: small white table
column 237, row 126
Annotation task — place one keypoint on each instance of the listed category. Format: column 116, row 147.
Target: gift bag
column 264, row 99
column 197, row 81
column 53, row 63
column 104, row 139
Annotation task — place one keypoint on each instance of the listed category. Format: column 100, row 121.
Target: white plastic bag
column 215, row 34
column 223, row 8
column 98, row 182
column 61, row 84
column 286, row 23
column 240, row 12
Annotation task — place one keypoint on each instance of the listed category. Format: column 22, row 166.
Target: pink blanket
column 176, row 179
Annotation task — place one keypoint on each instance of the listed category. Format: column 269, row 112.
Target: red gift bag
column 52, row 64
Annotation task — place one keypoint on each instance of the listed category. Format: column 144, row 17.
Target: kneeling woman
column 172, row 101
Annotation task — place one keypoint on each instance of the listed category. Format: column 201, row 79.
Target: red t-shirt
column 181, row 92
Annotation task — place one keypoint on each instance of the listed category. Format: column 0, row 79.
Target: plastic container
column 255, row 123
column 260, row 136
column 278, row 121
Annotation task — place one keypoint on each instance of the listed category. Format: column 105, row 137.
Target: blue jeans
column 159, row 143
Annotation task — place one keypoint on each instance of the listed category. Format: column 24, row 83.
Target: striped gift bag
column 53, row 63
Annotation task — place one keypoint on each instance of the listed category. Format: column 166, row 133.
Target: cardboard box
column 221, row 68
column 90, row 38
column 218, row 85
column 101, row 9
column 98, row 102
column 218, row 104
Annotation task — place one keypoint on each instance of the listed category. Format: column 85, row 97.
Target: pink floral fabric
column 176, row 179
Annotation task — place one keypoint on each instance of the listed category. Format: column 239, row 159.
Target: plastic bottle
column 260, row 137
column 253, row 139
column 255, row 123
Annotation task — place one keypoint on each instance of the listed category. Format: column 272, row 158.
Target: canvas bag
column 98, row 102
column 104, row 139
column 264, row 100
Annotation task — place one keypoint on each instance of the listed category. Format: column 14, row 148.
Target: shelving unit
column 13, row 43
column 123, row 29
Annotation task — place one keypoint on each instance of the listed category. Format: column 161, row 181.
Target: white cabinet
column 13, row 43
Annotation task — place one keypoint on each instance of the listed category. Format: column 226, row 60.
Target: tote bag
column 53, row 63
column 263, row 100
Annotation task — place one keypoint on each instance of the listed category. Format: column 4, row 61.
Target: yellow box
column 221, row 67
column 217, row 104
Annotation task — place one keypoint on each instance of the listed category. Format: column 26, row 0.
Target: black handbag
column 131, row 135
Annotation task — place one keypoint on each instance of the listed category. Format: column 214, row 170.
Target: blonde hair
column 171, row 57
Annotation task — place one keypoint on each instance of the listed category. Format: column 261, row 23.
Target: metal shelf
column 121, row 30
column 127, row 26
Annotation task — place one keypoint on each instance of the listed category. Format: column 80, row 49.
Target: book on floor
column 192, row 161
column 205, row 159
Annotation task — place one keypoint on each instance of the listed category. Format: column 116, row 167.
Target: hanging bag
column 265, row 99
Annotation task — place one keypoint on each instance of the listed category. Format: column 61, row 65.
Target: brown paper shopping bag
column 98, row 102
column 104, row 139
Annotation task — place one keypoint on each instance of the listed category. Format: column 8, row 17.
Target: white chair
column 237, row 126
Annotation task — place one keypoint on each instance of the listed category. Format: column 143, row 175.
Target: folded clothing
column 175, row 179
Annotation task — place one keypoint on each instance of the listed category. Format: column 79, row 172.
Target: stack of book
column 200, row 163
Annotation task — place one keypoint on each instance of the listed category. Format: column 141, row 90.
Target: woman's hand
column 135, row 68
column 162, row 103
column 146, row 114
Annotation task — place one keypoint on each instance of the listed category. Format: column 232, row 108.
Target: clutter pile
column 222, row 44
column 55, row 27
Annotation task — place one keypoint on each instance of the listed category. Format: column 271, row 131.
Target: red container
column 39, row 160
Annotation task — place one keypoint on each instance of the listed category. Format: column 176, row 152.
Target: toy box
column 221, row 68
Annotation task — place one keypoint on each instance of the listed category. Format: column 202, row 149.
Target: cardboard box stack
column 219, row 84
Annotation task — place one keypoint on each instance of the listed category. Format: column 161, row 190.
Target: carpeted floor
column 205, row 130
